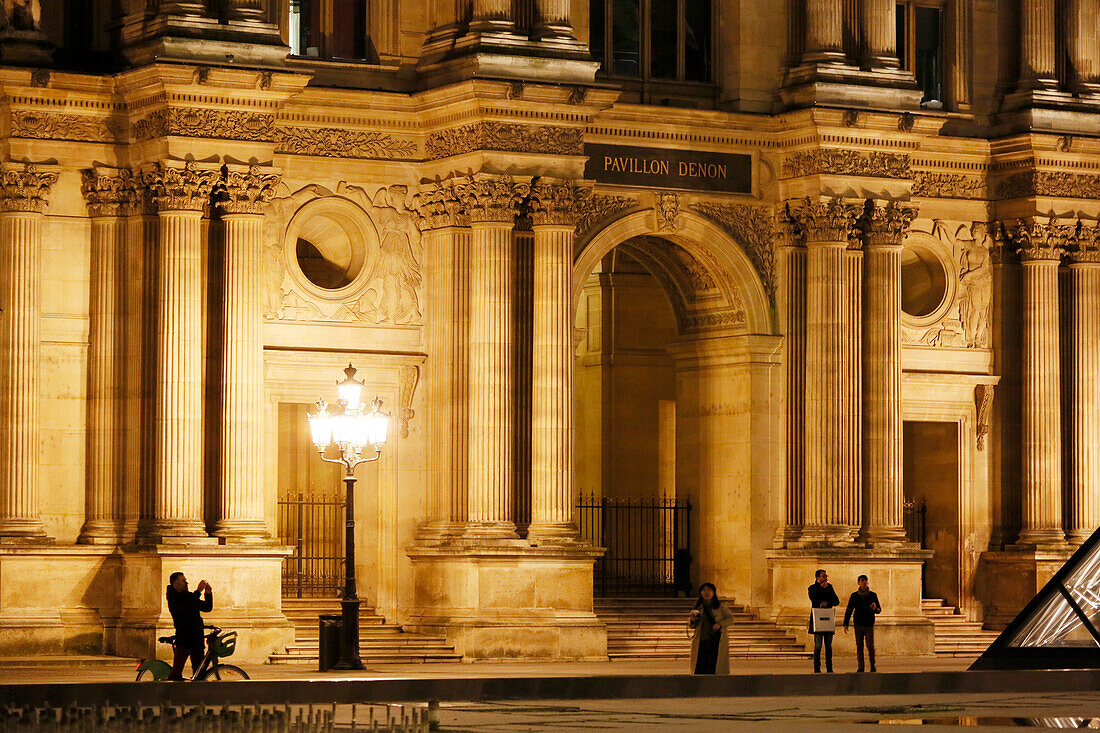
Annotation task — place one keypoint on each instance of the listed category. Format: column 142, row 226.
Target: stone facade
column 895, row 306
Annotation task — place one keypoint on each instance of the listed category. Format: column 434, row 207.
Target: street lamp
column 359, row 436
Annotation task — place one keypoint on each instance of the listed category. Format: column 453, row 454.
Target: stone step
column 371, row 658
column 954, row 634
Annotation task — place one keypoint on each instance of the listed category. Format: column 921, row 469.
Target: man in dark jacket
column 187, row 608
column 822, row 595
column 863, row 605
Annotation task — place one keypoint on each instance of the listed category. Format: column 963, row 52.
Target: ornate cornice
column 1036, row 241
column 831, row 220
column 886, row 226
column 754, row 228
column 26, row 186
column 846, row 163
column 927, row 184
column 554, row 202
column 333, row 142
column 108, row 191
column 492, row 198
column 599, row 206
column 58, row 126
column 247, row 191
column 505, row 136
column 438, row 206
column 186, row 188
column 1056, row 184
column 206, row 123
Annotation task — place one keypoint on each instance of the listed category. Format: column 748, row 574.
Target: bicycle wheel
column 225, row 673
column 153, row 670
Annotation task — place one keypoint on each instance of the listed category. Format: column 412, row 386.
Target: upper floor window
column 920, row 46
column 653, row 39
column 331, row 29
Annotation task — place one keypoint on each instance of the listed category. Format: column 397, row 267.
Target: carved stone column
column 24, row 190
column 851, row 367
column 243, row 197
column 828, row 515
column 552, row 500
column 882, row 424
column 491, row 204
column 1037, row 47
column 1083, row 45
column 878, row 26
column 1084, row 276
column 1040, row 248
column 552, row 20
column 106, row 191
column 791, row 301
column 824, row 32
column 180, row 195
column 248, row 11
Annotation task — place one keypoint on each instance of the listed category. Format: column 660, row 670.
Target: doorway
column 931, row 479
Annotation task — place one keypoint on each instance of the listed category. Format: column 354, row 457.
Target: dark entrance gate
column 648, row 543
column 312, row 522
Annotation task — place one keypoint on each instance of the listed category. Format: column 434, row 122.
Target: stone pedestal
column 1007, row 581
column 502, row 601
column 895, row 575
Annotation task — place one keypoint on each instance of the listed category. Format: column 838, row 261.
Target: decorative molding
column 79, row 128
column 829, row 220
column 555, row 202
column 507, row 137
column 725, row 318
column 1057, row 184
column 26, row 186
column 334, row 142
column 108, row 191
column 599, row 206
column 247, row 191
column 846, row 163
column 409, row 377
column 173, row 188
column 754, row 229
column 667, row 209
column 206, row 123
column 927, row 184
column 983, row 401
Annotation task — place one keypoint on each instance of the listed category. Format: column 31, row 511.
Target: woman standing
column 710, row 646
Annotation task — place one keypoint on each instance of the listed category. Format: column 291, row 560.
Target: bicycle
column 218, row 644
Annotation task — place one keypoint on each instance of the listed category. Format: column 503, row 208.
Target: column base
column 1044, row 540
column 827, row 535
column 887, row 536
column 163, row 532
column 101, row 532
column 23, row 530
column 243, row 532
column 1007, row 580
column 901, row 629
column 552, row 532
column 474, row 593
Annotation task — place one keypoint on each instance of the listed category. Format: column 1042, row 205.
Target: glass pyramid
column 1058, row 629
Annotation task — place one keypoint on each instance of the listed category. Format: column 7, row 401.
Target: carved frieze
column 505, row 136
column 600, row 206
column 333, row 142
column 873, row 164
column 206, row 123
column 26, row 187
column 179, row 188
column 108, row 191
column 247, row 191
column 754, row 228
column 927, row 184
column 61, row 126
column 1059, row 184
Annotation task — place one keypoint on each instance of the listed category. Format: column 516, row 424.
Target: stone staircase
column 379, row 642
column 955, row 636
column 652, row 628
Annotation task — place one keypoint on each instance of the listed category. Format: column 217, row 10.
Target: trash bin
column 329, row 632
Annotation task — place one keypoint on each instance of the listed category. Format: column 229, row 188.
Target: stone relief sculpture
column 394, row 281
column 22, row 15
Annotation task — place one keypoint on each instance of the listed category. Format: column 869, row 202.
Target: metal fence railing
column 313, row 524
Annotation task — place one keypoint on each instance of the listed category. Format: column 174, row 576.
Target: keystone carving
column 668, row 210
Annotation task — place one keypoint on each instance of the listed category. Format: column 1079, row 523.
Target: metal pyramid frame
column 1058, row 628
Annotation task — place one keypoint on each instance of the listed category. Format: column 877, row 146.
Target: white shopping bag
column 823, row 620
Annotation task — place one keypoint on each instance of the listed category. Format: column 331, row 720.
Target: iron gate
column 647, row 541
column 913, row 519
column 313, row 524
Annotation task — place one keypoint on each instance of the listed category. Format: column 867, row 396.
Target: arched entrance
column 677, row 399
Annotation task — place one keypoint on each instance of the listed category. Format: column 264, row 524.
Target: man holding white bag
column 823, row 625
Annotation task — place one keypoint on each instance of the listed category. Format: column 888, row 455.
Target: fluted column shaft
column 1083, row 44
column 878, row 24
column 553, row 20
column 1037, row 47
column 1085, row 402
column 1042, row 420
column 824, row 32
column 851, row 368
column 792, row 311
column 492, row 16
column 552, row 385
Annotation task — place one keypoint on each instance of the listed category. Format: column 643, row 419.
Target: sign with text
column 662, row 168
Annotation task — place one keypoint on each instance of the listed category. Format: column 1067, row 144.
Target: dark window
column 697, row 40
column 653, row 39
column 349, row 29
column 903, row 35
column 920, row 44
column 626, row 38
column 662, row 39
column 596, row 29
column 335, row 29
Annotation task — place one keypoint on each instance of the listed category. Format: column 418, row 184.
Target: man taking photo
column 187, row 608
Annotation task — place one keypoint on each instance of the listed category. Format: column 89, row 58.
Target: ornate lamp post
column 359, row 436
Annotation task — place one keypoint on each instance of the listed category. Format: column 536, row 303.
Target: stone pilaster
column 491, row 204
column 824, row 32
column 180, row 195
column 552, row 500
column 1037, row 47
column 1083, row 45
column 107, row 192
column 791, row 301
column 825, row 226
column 885, row 228
column 1040, row 248
column 242, row 200
column 878, row 27
column 1084, row 277
column 24, row 190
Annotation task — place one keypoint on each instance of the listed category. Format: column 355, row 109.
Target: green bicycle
column 218, row 644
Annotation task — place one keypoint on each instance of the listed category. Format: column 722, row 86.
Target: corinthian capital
column 1037, row 241
column 488, row 198
column 886, row 225
column 108, row 191
column 438, row 206
column 26, row 186
column 247, row 191
column 177, row 187
column 823, row 220
column 554, row 202
column 1086, row 244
